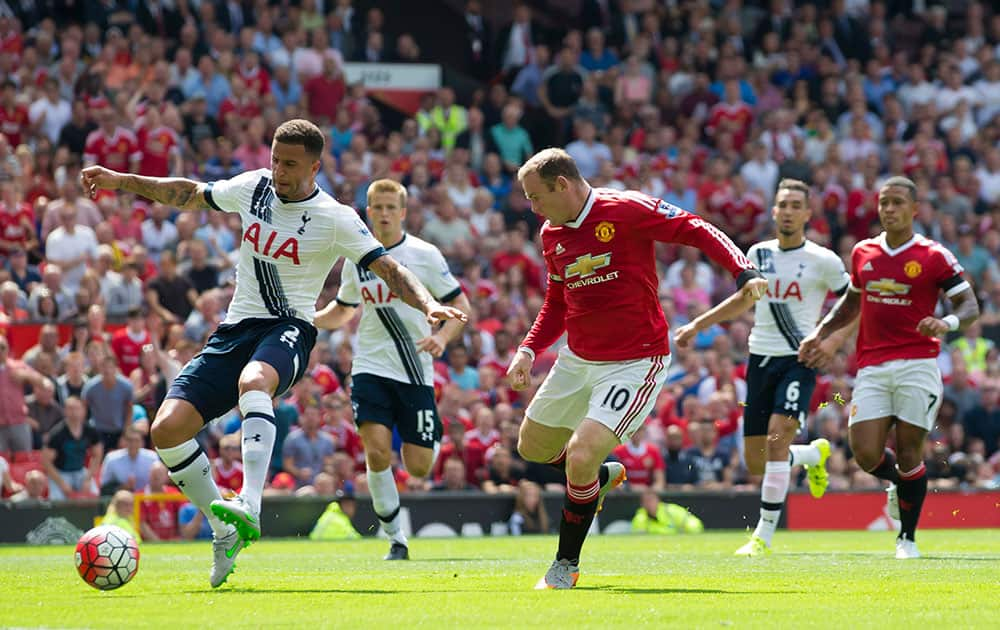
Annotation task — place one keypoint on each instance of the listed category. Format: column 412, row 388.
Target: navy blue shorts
column 210, row 381
column 776, row 385
column 409, row 408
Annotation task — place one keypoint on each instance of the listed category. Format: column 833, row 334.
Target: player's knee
column 868, row 458
column 162, row 433
column 531, row 453
column 378, row 458
column 581, row 460
column 421, row 467
column 908, row 458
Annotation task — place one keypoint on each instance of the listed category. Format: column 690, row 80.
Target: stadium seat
column 19, row 469
column 34, row 457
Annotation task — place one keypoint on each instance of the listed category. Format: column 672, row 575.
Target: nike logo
column 232, row 550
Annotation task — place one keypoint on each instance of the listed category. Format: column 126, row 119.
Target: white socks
column 189, row 468
column 804, row 454
column 258, row 442
column 385, row 500
column 773, row 491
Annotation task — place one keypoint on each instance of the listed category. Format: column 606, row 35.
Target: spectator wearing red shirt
column 254, row 75
column 513, row 256
column 14, row 120
column 17, row 221
column 160, row 147
column 110, row 145
column 227, row 470
column 241, row 105
column 457, row 447
column 127, row 343
column 323, row 93
column 644, row 466
column 158, row 519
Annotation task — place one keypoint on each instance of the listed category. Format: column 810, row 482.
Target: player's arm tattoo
column 965, row 308
column 176, row 192
column 402, row 282
column 843, row 313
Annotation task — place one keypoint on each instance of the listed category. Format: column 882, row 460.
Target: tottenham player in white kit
column 800, row 274
column 392, row 374
column 293, row 233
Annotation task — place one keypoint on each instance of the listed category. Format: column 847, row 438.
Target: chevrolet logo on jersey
column 587, row 265
column 887, row 287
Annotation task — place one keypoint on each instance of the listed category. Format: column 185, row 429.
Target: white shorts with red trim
column 618, row 394
column 909, row 389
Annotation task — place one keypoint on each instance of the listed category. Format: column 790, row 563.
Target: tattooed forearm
column 966, row 308
column 402, row 282
column 845, row 311
column 177, row 192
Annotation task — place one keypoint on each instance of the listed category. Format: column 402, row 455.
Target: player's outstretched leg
column 177, row 421
column 585, row 476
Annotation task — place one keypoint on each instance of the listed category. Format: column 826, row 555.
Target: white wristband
column 952, row 322
column 528, row 351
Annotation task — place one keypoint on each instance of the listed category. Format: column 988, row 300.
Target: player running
column 392, row 375
column 800, row 273
column 895, row 280
column 602, row 290
column 293, row 233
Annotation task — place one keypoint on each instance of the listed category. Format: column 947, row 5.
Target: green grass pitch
column 814, row 579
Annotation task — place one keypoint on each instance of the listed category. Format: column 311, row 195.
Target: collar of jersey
column 792, row 249
column 884, row 242
column 287, row 201
column 587, row 205
column 397, row 243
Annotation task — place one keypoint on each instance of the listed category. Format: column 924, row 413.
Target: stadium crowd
column 703, row 104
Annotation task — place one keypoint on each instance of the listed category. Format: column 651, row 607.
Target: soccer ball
column 107, row 557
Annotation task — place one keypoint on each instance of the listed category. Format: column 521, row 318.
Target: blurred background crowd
column 705, row 104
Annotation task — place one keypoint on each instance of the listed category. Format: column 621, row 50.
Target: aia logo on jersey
column 289, row 248
column 791, row 291
column 912, row 269
column 381, row 295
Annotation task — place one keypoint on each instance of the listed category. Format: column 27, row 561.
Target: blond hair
column 387, row 186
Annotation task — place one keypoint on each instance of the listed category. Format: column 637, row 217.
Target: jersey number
column 290, row 336
column 792, row 396
column 616, row 398
column 425, row 424
column 934, row 400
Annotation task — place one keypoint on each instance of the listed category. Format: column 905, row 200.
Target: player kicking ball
column 392, row 374
column 895, row 281
column 800, row 273
column 293, row 233
column 602, row 291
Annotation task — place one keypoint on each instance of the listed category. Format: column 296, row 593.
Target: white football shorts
column 910, row 389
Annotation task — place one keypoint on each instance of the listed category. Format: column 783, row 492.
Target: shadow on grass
column 305, row 591
column 886, row 554
column 638, row 590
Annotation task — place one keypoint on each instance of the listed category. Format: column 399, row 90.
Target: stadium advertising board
column 398, row 84
column 867, row 511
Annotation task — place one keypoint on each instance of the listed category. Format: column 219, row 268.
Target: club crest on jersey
column 289, row 248
column 305, row 219
column 605, row 231
column 912, row 269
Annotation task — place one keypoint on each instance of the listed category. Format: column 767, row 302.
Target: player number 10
column 616, row 398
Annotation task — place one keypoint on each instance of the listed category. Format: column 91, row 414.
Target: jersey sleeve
column 835, row 275
column 551, row 321
column 439, row 279
column 353, row 240
column 349, row 293
column 855, row 275
column 948, row 271
column 232, row 195
column 661, row 221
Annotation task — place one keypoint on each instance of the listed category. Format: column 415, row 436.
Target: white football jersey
column 288, row 247
column 389, row 327
column 798, row 281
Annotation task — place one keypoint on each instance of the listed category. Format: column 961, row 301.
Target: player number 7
column 934, row 400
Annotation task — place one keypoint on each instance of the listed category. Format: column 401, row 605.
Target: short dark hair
column 299, row 131
column 550, row 164
column 135, row 311
column 794, row 184
column 902, row 182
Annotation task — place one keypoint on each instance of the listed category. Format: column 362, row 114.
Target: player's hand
column 685, row 335
column 519, row 371
column 96, row 178
column 755, row 289
column 433, row 345
column 436, row 313
column 823, row 353
column 809, row 350
column 933, row 327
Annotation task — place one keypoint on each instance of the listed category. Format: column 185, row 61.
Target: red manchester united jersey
column 114, row 152
column 157, row 146
column 602, row 275
column 128, row 350
column 640, row 462
column 899, row 287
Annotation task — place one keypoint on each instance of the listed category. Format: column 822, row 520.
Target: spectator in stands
column 983, row 421
column 657, row 517
column 529, row 516
column 677, row 467
column 170, row 295
column 324, row 92
column 644, row 466
column 65, row 454
column 44, row 413
column 511, row 139
column 158, row 519
column 72, row 247
column 35, row 487
column 121, row 513
column 109, row 396
column 10, row 296
column 25, row 276
column 15, row 427
column 502, row 476
column 307, row 450
column 227, row 469
column 709, row 465
column 586, row 150
column 129, row 467
column 454, row 476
